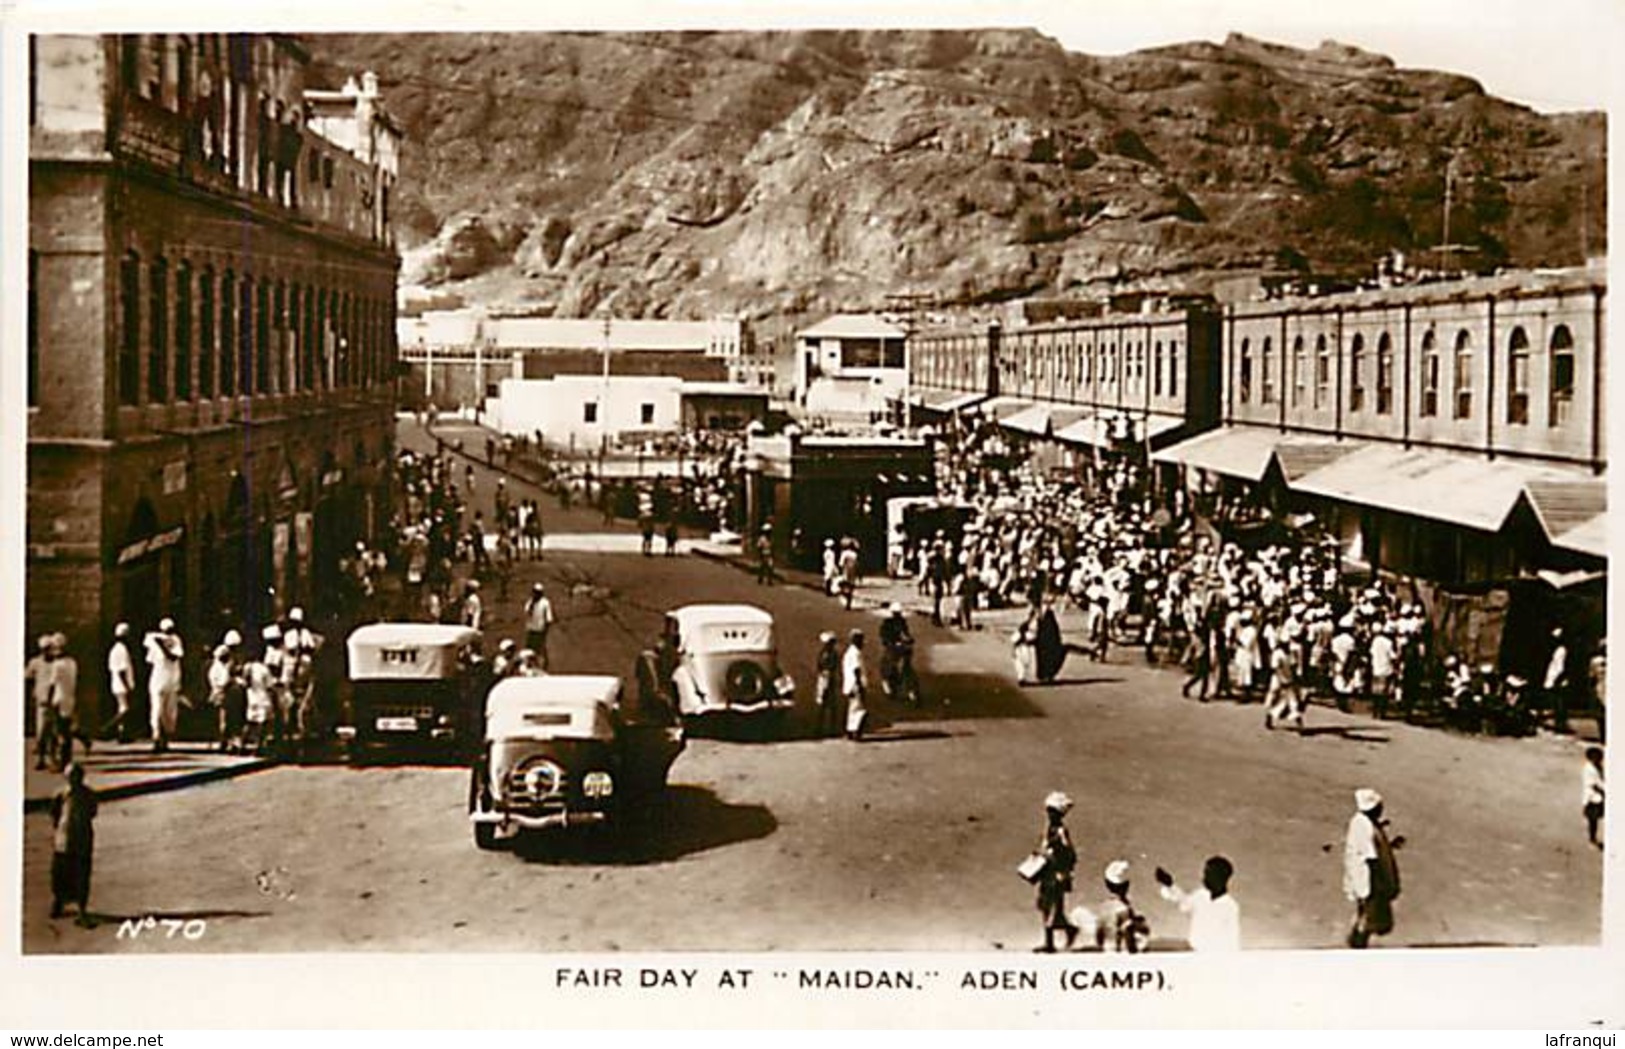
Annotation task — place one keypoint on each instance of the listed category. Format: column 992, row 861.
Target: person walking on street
column 829, row 684
column 1592, row 793
column 38, row 675
column 473, row 612
column 1284, row 699
column 121, row 683
column 1214, row 914
column 73, row 717
column 855, row 686
column 1024, row 647
column 1556, row 681
column 164, row 654
column 73, row 845
column 670, row 536
column 764, row 556
column 539, row 620
column 1055, row 879
column 220, row 677
column 848, row 564
column 1370, row 873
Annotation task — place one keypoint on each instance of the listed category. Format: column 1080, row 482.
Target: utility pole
column 603, row 405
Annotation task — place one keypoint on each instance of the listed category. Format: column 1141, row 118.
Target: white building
column 587, row 412
column 849, row 365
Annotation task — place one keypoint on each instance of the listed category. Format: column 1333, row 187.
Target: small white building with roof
column 850, row 364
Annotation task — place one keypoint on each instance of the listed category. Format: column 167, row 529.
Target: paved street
column 907, row 842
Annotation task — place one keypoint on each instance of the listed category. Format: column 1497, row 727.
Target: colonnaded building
column 211, row 329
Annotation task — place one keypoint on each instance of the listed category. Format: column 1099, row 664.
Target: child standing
column 73, row 816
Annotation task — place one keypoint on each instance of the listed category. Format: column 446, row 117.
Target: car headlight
column 785, row 685
column 542, row 778
column 597, row 785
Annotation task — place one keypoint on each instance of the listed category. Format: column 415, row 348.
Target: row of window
column 1075, row 363
column 192, row 333
column 1560, row 392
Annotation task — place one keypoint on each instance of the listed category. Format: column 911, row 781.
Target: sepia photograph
column 1013, row 485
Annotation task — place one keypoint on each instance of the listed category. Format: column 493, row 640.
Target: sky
column 1548, row 54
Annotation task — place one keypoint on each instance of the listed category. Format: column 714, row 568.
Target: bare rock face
column 679, row 174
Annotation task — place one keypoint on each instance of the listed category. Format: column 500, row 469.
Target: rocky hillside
column 681, row 174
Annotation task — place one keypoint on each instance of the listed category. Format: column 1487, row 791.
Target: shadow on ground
column 685, row 821
column 956, row 696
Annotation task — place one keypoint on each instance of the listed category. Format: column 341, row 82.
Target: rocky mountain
column 682, row 174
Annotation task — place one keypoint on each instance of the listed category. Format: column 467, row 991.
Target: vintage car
column 412, row 684
column 726, row 662
column 568, row 749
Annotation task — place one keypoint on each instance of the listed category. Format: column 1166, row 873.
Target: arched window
column 1385, row 374
column 1323, row 371
column 1430, row 376
column 1266, row 379
column 1357, row 374
column 1300, row 373
column 1462, row 377
column 1156, row 370
column 1244, row 382
column 1561, row 365
column 1518, row 378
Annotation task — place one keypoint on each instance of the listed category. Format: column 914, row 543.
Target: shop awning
column 1588, row 538
column 1565, row 505
column 1001, row 408
column 1235, row 451
column 1096, row 431
column 948, row 400
column 1299, row 459
column 1439, row 486
column 1044, row 420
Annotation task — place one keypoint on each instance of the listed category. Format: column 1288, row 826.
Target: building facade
column 849, row 365
column 1451, row 431
column 211, row 352
column 460, row 357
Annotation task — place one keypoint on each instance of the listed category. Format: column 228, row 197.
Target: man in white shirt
column 854, row 685
column 1370, row 874
column 539, row 620
column 164, row 655
column 1557, row 682
column 1215, row 916
column 120, row 682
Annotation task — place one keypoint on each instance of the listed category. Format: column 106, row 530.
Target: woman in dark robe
column 1051, row 649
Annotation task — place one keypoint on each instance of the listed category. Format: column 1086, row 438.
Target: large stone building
column 211, row 330
column 1449, row 432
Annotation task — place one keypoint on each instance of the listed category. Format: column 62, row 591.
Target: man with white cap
column 1370, row 873
column 38, row 674
column 164, row 653
column 1055, row 879
column 1116, row 927
column 120, row 683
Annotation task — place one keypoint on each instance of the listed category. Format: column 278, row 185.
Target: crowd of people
column 1279, row 624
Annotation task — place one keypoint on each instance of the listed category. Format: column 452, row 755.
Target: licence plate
column 396, row 724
